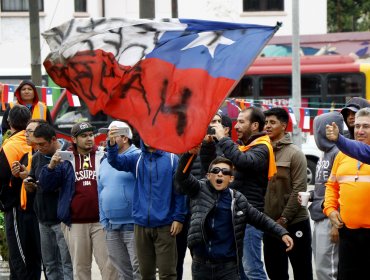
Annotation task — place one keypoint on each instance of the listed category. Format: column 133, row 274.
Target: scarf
column 265, row 140
column 15, row 148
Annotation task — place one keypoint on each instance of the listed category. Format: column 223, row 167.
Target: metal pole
column 147, row 9
column 174, row 9
column 296, row 72
column 35, row 44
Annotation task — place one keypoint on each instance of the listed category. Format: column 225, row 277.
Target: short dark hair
column 279, row 113
column 38, row 121
column 221, row 160
column 256, row 116
column 18, row 117
column 44, row 130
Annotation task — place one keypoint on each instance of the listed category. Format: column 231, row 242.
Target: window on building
column 80, row 6
column 18, row 5
column 263, row 5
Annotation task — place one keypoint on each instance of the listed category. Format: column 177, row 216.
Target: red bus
column 326, row 81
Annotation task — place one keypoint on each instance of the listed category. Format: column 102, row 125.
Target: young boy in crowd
column 219, row 217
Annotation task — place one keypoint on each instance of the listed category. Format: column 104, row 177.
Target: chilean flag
column 47, row 96
column 73, row 99
column 167, row 78
column 8, row 93
column 304, row 122
column 322, row 111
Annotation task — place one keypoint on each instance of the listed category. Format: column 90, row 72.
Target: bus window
column 243, row 89
column 344, row 84
column 281, row 86
column 275, row 86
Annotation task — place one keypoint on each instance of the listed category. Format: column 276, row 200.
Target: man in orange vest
column 26, row 95
column 21, row 225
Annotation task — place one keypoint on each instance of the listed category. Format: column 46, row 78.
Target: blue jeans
column 252, row 260
column 55, row 254
column 122, row 253
column 220, row 271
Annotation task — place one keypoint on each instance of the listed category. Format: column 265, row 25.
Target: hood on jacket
column 144, row 148
column 354, row 105
column 286, row 140
column 17, row 93
column 319, row 129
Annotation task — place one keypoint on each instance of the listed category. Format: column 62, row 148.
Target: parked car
column 313, row 155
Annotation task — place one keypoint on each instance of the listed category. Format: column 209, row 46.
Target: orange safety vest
column 38, row 112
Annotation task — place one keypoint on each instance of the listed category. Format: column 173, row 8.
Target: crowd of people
column 136, row 209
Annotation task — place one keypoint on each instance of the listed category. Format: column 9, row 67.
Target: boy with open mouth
column 218, row 219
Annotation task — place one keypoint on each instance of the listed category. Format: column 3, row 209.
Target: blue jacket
column 62, row 178
column 354, row 149
column 115, row 190
column 156, row 202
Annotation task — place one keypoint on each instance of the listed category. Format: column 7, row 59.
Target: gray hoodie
column 325, row 163
column 354, row 104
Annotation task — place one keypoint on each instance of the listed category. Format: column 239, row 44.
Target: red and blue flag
column 166, row 78
column 47, row 96
column 305, row 119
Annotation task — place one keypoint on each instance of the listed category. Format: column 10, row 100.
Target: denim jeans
column 252, row 260
column 122, row 253
column 55, row 254
column 220, row 271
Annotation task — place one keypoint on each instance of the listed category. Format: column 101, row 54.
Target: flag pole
column 188, row 164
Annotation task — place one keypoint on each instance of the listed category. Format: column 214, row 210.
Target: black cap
column 81, row 127
column 226, row 122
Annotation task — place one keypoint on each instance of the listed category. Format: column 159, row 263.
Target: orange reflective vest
column 39, row 110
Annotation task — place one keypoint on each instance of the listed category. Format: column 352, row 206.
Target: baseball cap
column 80, row 128
column 226, row 122
column 120, row 124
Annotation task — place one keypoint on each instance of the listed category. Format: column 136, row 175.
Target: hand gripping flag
column 167, row 78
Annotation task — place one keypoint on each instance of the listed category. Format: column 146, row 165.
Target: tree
column 348, row 15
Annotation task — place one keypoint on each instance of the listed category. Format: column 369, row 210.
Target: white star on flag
column 207, row 39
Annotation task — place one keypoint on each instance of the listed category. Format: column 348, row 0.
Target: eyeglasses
column 224, row 171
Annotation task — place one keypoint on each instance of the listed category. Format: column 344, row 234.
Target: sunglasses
column 224, row 171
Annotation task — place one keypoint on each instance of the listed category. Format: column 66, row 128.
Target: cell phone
column 66, row 155
column 120, row 131
column 211, row 130
column 103, row 130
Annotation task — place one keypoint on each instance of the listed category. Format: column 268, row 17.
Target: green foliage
column 3, row 244
column 348, row 15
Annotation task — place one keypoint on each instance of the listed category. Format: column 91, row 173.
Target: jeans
column 122, row 253
column 220, row 271
column 55, row 254
column 252, row 260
